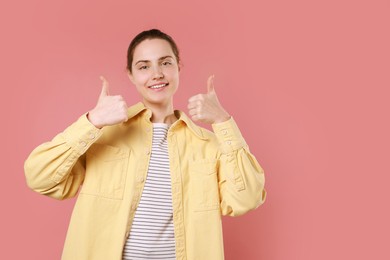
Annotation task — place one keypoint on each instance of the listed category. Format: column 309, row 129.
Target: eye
column 143, row 67
column 166, row 63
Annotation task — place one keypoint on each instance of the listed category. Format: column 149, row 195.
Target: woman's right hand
column 109, row 110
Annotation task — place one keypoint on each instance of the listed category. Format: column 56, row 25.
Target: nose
column 157, row 73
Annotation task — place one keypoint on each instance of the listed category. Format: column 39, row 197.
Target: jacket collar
column 139, row 107
column 135, row 110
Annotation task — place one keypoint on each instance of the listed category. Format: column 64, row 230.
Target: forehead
column 152, row 49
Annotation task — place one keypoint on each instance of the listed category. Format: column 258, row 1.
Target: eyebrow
column 162, row 58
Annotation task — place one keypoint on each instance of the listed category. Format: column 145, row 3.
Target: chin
column 158, row 101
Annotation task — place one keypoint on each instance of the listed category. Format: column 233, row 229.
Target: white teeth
column 158, row 86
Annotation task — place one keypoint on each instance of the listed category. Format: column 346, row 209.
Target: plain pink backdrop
column 307, row 82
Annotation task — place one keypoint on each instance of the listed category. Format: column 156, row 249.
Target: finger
column 192, row 99
column 192, row 105
column 192, row 112
column 195, row 98
column 126, row 108
column 104, row 91
column 210, row 84
column 197, row 104
column 118, row 97
column 196, row 117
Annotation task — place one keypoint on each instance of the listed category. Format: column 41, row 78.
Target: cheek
column 173, row 74
column 140, row 79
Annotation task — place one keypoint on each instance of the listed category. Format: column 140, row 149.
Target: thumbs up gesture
column 206, row 107
column 109, row 110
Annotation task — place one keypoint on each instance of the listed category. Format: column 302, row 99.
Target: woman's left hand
column 206, row 107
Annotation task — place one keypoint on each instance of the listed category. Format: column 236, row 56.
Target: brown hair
column 150, row 34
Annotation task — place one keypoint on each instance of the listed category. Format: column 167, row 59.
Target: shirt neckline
column 160, row 124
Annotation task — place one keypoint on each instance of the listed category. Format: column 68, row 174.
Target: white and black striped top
column 152, row 233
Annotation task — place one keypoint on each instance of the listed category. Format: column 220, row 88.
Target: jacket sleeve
column 57, row 168
column 241, row 178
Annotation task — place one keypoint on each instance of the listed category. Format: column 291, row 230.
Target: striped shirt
column 152, row 233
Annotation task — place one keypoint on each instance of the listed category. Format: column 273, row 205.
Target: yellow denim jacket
column 212, row 174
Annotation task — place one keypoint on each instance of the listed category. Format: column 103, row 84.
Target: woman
column 153, row 184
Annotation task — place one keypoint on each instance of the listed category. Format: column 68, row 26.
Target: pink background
column 307, row 82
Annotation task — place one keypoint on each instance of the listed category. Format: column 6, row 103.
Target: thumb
column 104, row 91
column 210, row 84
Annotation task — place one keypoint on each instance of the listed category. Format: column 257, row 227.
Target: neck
column 161, row 113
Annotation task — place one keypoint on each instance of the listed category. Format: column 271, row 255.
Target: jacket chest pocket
column 106, row 170
column 204, row 188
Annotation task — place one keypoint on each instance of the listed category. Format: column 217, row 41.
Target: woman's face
column 155, row 71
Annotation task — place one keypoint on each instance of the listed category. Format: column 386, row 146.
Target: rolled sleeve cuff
column 82, row 134
column 229, row 136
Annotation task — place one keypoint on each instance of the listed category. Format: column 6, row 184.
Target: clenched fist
column 206, row 107
column 109, row 110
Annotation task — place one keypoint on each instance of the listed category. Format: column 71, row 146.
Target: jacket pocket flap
column 204, row 166
column 108, row 152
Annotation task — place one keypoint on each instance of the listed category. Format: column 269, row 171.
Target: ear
column 130, row 76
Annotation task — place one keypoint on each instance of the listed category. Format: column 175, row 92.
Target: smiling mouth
column 159, row 86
